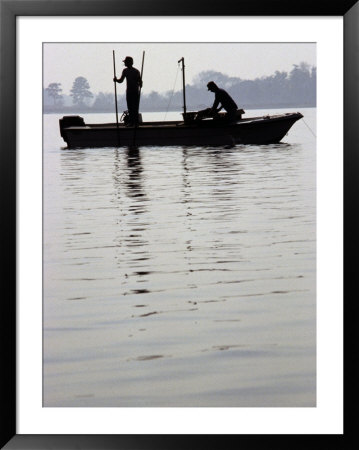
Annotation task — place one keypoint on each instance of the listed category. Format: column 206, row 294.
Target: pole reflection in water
column 133, row 255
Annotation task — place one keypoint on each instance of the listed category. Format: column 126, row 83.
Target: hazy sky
column 63, row 62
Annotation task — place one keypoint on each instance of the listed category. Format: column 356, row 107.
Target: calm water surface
column 180, row 276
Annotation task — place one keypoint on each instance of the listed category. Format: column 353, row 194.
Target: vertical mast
column 184, row 88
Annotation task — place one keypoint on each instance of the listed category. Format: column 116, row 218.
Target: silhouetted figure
column 222, row 97
column 134, row 82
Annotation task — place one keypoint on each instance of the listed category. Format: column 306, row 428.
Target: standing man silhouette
column 134, row 82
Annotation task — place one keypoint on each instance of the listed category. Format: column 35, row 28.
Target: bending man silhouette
column 134, row 82
column 222, row 97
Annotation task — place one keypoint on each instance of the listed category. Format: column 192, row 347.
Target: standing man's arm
column 123, row 76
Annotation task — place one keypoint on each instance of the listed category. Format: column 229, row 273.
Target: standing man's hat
column 128, row 59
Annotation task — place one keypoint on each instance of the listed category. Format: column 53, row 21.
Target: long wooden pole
column 114, row 74
column 139, row 97
column 184, row 88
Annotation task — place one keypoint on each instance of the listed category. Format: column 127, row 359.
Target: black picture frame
column 9, row 10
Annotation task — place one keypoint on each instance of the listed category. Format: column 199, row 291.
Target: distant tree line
column 282, row 89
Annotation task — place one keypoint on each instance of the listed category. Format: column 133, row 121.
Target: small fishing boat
column 196, row 128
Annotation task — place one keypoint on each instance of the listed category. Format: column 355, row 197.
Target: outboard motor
column 71, row 121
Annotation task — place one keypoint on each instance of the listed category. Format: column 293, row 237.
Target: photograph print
column 179, row 224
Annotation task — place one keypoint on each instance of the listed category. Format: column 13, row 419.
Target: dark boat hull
column 259, row 130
